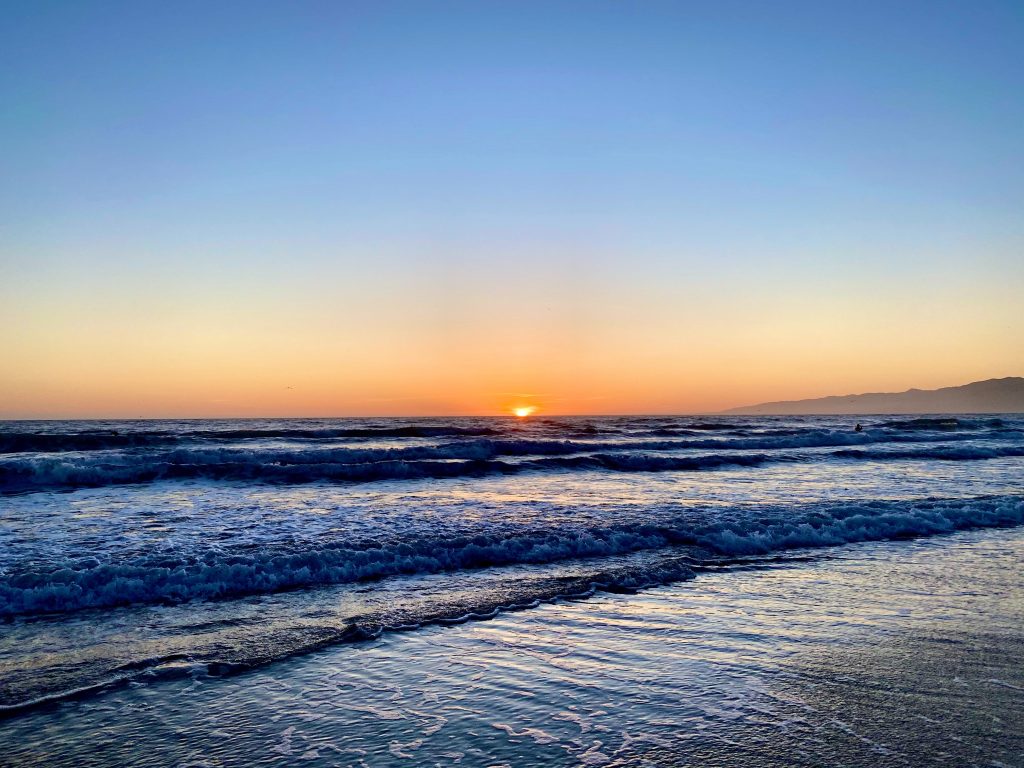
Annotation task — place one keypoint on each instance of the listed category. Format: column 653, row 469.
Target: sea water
column 147, row 553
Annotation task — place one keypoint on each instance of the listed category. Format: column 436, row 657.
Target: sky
column 416, row 208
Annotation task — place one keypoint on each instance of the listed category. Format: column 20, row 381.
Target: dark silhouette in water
column 858, row 428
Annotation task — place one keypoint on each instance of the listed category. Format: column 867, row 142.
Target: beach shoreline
column 881, row 653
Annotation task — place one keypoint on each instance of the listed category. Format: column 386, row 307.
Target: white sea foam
column 223, row 574
column 474, row 458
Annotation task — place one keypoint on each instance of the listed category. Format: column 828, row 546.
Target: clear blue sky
column 824, row 195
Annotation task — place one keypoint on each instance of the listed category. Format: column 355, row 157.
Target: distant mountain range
column 990, row 396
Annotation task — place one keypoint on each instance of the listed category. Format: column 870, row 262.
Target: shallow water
column 874, row 654
column 134, row 549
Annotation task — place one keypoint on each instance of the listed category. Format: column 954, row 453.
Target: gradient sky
column 363, row 208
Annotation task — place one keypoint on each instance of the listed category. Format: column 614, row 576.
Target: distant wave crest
column 466, row 459
column 94, row 440
column 943, row 424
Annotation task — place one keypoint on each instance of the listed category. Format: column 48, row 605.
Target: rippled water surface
column 138, row 552
column 880, row 654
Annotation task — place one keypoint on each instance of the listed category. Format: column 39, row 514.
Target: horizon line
column 512, row 417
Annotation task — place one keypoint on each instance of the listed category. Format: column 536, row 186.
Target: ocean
column 710, row 590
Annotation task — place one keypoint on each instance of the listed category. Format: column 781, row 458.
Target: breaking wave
column 470, row 455
column 461, row 459
column 742, row 532
column 56, row 474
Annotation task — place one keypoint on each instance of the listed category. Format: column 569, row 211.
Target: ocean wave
column 696, row 428
column 41, row 474
column 219, row 574
column 49, row 474
column 942, row 424
column 578, row 428
column 939, row 453
column 92, row 440
column 129, row 436
column 33, row 442
column 467, row 459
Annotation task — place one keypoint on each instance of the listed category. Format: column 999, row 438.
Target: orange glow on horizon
column 210, row 350
column 522, row 411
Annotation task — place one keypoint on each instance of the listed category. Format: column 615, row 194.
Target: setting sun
column 524, row 410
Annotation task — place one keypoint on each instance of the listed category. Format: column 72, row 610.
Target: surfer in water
column 858, row 428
